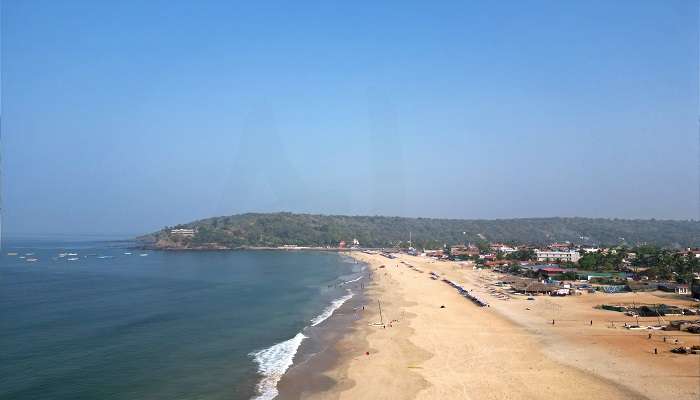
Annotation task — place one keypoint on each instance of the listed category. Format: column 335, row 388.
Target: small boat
column 73, row 259
column 103, row 257
column 11, row 254
column 22, row 257
column 62, row 255
column 32, row 260
column 127, row 254
column 143, row 255
column 28, row 254
column 71, row 254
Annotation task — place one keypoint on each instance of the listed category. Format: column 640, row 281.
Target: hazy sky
column 123, row 117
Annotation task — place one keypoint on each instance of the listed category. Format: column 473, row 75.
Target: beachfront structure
column 433, row 253
column 496, row 247
column 551, row 271
column 488, row 256
column 544, row 270
column 537, row 267
column 183, row 232
column 683, row 289
column 677, row 288
column 528, row 286
column 560, row 246
column 591, row 275
column 460, row 250
column 557, row 255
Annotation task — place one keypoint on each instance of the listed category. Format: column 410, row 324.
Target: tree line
column 275, row 229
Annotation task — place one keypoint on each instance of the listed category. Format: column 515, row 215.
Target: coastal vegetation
column 278, row 229
column 649, row 261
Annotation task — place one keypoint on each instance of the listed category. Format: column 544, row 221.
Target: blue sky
column 123, row 117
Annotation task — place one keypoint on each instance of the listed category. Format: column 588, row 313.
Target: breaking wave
column 273, row 362
column 335, row 304
column 351, row 281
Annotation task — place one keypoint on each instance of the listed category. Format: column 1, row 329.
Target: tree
column 521, row 255
column 513, row 268
column 589, row 261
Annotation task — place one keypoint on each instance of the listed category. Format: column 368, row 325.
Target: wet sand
column 319, row 353
column 499, row 352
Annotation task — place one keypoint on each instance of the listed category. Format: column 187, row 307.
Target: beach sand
column 499, row 352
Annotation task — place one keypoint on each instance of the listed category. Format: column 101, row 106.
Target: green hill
column 276, row 229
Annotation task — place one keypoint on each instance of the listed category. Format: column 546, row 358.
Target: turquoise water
column 168, row 325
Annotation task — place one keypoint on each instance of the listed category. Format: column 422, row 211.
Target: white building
column 682, row 289
column 183, row 232
column 555, row 255
column 502, row 248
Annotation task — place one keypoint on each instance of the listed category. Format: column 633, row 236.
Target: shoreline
column 506, row 350
column 315, row 351
column 320, row 354
column 353, row 345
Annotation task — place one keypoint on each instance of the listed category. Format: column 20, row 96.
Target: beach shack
column 548, row 272
column 532, row 287
column 676, row 288
column 600, row 276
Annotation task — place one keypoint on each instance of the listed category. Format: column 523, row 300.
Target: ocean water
column 87, row 321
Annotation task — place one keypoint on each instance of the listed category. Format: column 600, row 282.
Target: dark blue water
column 163, row 326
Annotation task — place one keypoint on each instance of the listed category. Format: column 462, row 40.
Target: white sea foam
column 351, row 281
column 328, row 311
column 273, row 362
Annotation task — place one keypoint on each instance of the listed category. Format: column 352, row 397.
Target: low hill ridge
column 277, row 229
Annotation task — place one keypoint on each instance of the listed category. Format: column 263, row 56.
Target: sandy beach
column 509, row 350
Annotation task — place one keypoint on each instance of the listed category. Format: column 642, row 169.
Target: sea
column 105, row 320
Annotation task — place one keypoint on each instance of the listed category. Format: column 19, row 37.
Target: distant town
column 547, row 269
column 609, row 269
